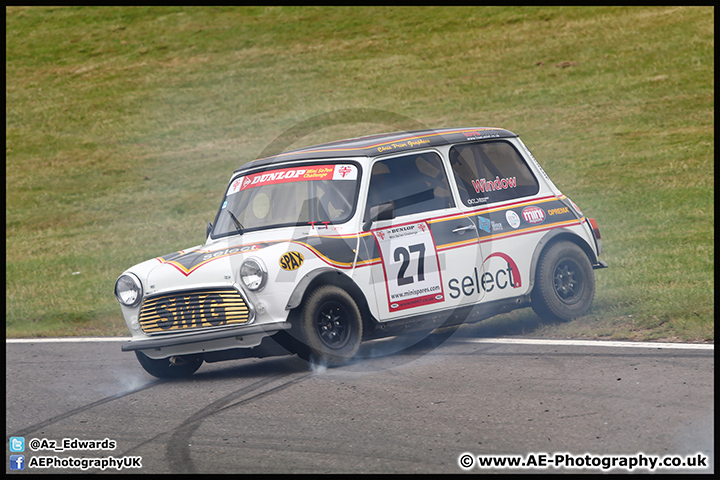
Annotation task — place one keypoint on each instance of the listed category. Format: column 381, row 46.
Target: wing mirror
column 384, row 211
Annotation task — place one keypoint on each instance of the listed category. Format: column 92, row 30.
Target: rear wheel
column 330, row 326
column 564, row 283
column 172, row 367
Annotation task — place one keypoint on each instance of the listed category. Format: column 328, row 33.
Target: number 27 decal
column 410, row 266
column 402, row 252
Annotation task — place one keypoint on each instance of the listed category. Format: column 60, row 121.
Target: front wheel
column 330, row 326
column 172, row 367
column 564, row 283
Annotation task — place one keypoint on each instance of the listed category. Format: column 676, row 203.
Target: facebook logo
column 17, row 462
column 17, row 444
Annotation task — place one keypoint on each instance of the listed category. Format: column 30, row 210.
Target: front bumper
column 208, row 336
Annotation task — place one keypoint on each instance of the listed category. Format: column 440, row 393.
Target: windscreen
column 297, row 195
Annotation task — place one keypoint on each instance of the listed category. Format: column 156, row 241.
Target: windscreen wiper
column 238, row 225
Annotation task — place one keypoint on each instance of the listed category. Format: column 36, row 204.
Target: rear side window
column 414, row 184
column 491, row 172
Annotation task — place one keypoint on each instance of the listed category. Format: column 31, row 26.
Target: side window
column 491, row 172
column 414, row 183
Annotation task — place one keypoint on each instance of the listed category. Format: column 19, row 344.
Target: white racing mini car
column 315, row 250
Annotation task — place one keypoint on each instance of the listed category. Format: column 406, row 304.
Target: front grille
column 182, row 311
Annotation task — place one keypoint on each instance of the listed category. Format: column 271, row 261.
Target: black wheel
column 564, row 283
column 330, row 326
column 172, row 367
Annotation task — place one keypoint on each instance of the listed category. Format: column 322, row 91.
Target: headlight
column 128, row 290
column 253, row 274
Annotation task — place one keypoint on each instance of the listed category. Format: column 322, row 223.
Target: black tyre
column 329, row 326
column 172, row 367
column 564, row 283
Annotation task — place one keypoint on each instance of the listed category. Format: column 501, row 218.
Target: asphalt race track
column 400, row 409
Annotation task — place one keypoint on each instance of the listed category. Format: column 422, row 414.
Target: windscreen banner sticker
column 410, row 265
column 294, row 174
column 345, row 172
column 236, row 185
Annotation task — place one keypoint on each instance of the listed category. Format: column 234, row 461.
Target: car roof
column 373, row 145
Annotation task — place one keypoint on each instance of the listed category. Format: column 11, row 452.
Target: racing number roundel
column 410, row 265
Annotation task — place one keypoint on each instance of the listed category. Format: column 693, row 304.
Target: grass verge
column 124, row 123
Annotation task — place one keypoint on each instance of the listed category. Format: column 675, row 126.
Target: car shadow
column 422, row 343
column 400, row 349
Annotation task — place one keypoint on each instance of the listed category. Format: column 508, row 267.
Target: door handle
column 462, row 230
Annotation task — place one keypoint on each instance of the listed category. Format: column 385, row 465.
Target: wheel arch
column 552, row 237
column 330, row 276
